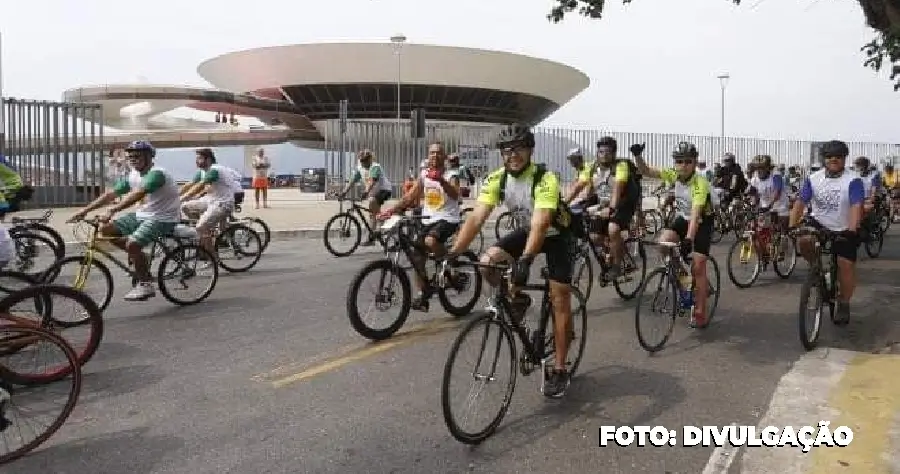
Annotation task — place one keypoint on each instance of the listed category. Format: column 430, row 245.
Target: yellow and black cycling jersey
column 694, row 194
column 535, row 188
column 623, row 172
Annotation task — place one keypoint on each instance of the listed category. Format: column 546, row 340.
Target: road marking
column 867, row 400
column 720, row 460
column 289, row 374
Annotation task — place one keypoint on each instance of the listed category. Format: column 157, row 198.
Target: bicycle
column 634, row 261
column 236, row 238
column 511, row 220
column 407, row 230
column 762, row 244
column 822, row 277
column 673, row 275
column 658, row 218
column 255, row 223
column 38, row 225
column 346, row 222
column 12, row 336
column 538, row 348
column 184, row 256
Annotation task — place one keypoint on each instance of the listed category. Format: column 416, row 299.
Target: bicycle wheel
column 714, row 280
column 238, row 248
column 261, row 228
column 659, row 290
column 874, row 243
column 385, row 298
column 635, row 261
column 182, row 265
column 786, row 260
column 19, row 400
column 506, row 223
column 482, row 373
column 578, row 333
column 462, row 280
column 344, row 224
column 35, row 253
column 652, row 221
column 810, row 320
column 743, row 250
column 583, row 270
column 43, row 307
column 59, row 245
column 74, row 271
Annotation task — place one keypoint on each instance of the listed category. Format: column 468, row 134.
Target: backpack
column 562, row 217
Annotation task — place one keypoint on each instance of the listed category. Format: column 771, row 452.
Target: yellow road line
column 867, row 400
column 279, row 377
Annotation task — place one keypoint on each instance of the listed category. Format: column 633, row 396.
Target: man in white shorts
column 218, row 185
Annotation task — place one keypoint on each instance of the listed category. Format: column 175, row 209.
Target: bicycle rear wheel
column 182, row 265
column 660, row 292
column 577, row 334
column 16, row 402
column 239, row 248
column 479, row 375
column 635, row 263
column 261, row 228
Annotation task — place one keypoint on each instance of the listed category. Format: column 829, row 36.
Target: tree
column 882, row 15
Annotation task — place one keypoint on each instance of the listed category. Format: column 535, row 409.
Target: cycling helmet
column 861, row 162
column 728, row 158
column 575, row 153
column 834, row 148
column 685, row 150
column 516, row 135
column 608, row 142
column 142, row 146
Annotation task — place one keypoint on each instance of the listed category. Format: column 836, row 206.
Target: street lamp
column 398, row 41
column 723, row 82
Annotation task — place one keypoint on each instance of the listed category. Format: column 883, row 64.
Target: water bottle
column 686, row 290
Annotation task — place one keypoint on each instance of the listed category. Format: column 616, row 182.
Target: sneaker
column 556, row 383
column 141, row 292
column 420, row 303
column 842, row 315
column 698, row 320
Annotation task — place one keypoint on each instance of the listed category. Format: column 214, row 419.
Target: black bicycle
column 407, row 231
column 821, row 279
column 38, row 225
column 344, row 224
column 538, row 349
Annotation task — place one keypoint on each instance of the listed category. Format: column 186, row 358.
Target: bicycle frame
column 823, row 246
column 93, row 248
column 360, row 212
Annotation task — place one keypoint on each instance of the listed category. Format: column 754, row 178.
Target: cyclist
column 378, row 188
column 521, row 183
column 217, row 185
column 694, row 224
column 155, row 218
column 438, row 187
column 623, row 197
column 835, row 197
column 734, row 182
column 772, row 194
column 586, row 196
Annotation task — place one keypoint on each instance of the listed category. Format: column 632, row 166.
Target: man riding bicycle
column 772, row 195
column 217, row 186
column 438, row 188
column 378, row 188
column 520, row 183
column 693, row 225
column 835, row 197
column 155, row 218
column 622, row 198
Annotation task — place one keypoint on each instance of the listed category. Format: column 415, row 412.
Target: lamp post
column 398, row 41
column 723, row 82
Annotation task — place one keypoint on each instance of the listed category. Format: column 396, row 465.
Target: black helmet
column 762, row 162
column 861, row 162
column 608, row 142
column 516, row 135
column 728, row 158
column 834, row 148
column 685, row 150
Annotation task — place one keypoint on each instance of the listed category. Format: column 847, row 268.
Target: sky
column 795, row 65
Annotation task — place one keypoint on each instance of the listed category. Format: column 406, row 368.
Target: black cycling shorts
column 702, row 241
column 842, row 247
column 440, row 230
column 555, row 249
column 382, row 196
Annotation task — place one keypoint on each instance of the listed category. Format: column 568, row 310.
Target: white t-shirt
column 437, row 205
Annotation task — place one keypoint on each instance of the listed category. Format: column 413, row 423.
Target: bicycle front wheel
column 344, row 225
column 744, row 263
column 660, row 293
column 634, row 262
column 25, row 402
column 488, row 335
column 386, row 297
column 812, row 305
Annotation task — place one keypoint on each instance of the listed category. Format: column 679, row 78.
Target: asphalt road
column 268, row 377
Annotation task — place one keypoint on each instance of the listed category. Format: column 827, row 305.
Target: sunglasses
column 682, row 161
column 507, row 152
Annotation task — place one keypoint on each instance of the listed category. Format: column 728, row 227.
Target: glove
column 637, row 149
column 522, row 270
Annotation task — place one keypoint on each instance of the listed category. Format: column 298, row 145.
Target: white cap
column 575, row 152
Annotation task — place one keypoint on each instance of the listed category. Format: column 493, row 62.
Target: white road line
column 721, row 458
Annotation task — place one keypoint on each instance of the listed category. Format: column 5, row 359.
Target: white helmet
column 575, row 152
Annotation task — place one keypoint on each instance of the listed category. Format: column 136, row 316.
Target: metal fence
column 57, row 148
column 397, row 152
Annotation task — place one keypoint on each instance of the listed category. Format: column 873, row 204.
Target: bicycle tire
column 228, row 238
column 809, row 337
column 582, row 256
column 265, row 235
column 353, row 222
column 547, row 337
column 738, row 246
column 642, row 257
column 180, row 255
column 465, row 309
column 46, row 293
column 80, row 260
column 874, row 244
column 353, row 292
column 71, row 401
column 666, row 281
column 791, row 252
column 42, row 229
column 21, row 237
column 502, row 223
column 458, row 433
column 714, row 291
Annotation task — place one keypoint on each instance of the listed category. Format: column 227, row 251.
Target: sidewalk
column 291, row 213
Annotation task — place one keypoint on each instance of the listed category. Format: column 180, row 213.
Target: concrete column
column 249, row 153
